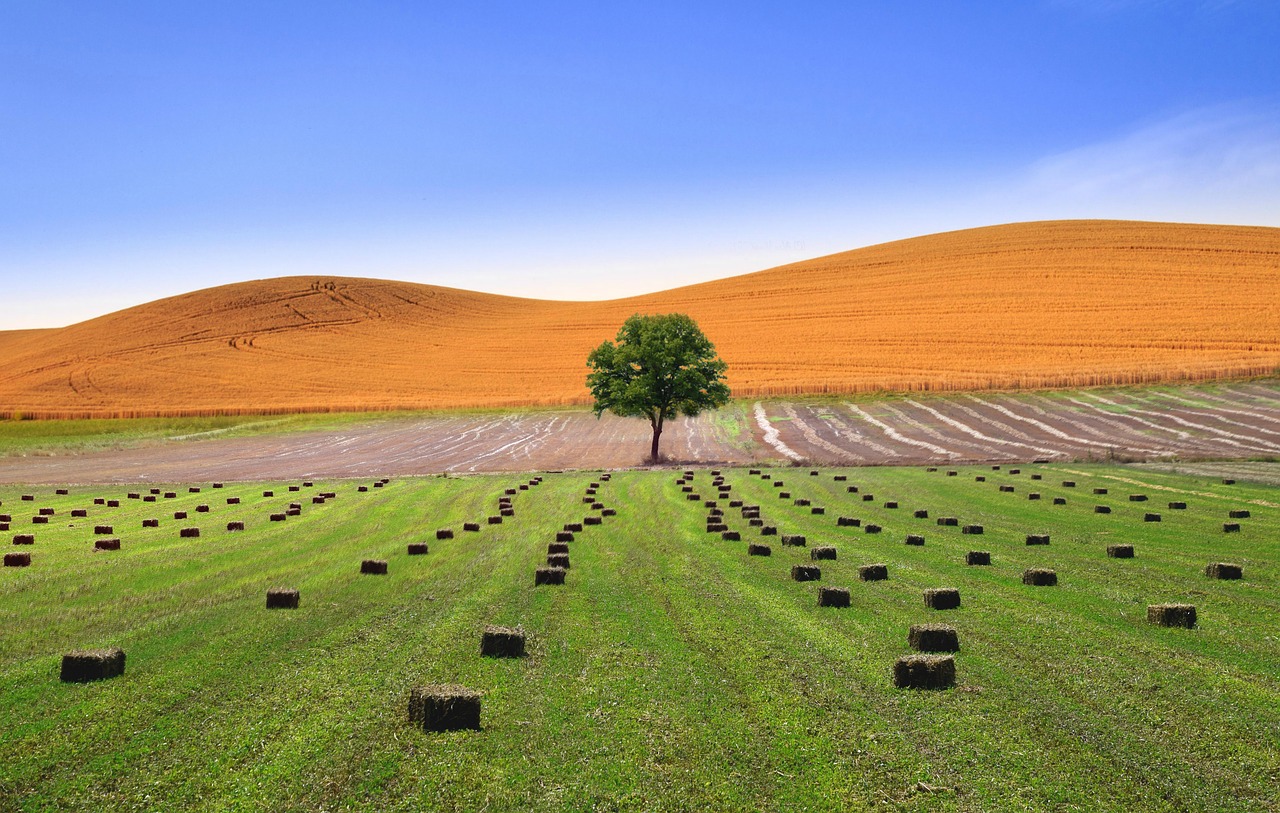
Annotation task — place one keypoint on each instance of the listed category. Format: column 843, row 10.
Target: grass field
column 671, row 672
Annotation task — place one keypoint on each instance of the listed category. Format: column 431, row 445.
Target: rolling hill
column 1064, row 303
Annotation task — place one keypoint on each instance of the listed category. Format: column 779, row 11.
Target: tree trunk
column 657, row 433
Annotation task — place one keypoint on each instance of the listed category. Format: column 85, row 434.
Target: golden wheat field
column 1049, row 304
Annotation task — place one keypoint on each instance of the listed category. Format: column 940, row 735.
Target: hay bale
column 872, row 528
column 17, row 560
column 1101, row 509
column 953, row 473
column 99, row 500
column 4, row 526
column 756, row 522
column 88, row 665
column 473, row 527
column 778, row 483
column 1177, row 506
column 588, row 500
column 61, row 492
column 796, row 540
column 975, row 530
column 560, row 560
column 1228, row 482
column 295, row 488
column 735, row 503
column 849, row 522
column 608, row 512
column 317, row 500
column 1006, row 489
column 106, row 544
column 873, row 573
column 189, row 533
column 933, row 638
column 113, row 503
column 1035, row 495
column 277, row 517
column 802, row 501
column 444, row 533
column 179, row 514
column 441, row 707
column 40, row 520
column 756, row 549
column 272, row 493
column 6, row 518
column 768, row 530
column 784, row 495
column 1059, row 500
column 806, row 573
column 1224, row 570
column 1120, row 551
column 931, row 469
column 418, row 549
column 924, row 672
column 1037, row 477
column 1068, row 483
column 151, row 523
column 170, row 495
column 868, row 497
column 980, row 479
column 28, row 498
column 133, row 495
column 833, row 596
column 1150, row 517
column 374, row 567
column 217, row 485
column 103, row 530
column 548, row 576
column 1015, row 471
column 693, row 497
column 149, row 498
column 573, row 527
column 501, row 642
column 949, row 522
column 840, row 478
column 24, row 539
column 1172, row 615
column 915, row 540
column 1238, row 514
column 817, row 510
column 282, row 598
column 308, row 484
column 977, row 558
column 564, row 536
column 731, row 536
column 46, row 512
column 233, row 500
column 495, row 520
column 591, row 521
column 1231, row 527
column 1099, row 491
column 891, row 504
column 79, row 513
column 753, row 471
column 822, row 552
column 1137, row 498
column 920, row 514
column 1037, row 539
column 686, row 489
column 1039, row 577
column 294, row 512
column 202, row 509
column 557, row 547
column 942, row 598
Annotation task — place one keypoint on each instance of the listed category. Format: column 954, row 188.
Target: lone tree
column 661, row 367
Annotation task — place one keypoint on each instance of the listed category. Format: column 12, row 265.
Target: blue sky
column 587, row 150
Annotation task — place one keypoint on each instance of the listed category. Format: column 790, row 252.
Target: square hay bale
column 193, row 490
column 891, row 504
column 295, row 488
column 735, row 503
column 975, row 530
column 1040, row 577
column 549, row 576
column 995, row 468
column 308, row 484
column 977, row 558
column 4, row 526
column 1177, row 506
column 817, row 510
column 1224, row 570
column 441, row 707
column 40, row 520
column 1120, row 551
column 822, row 552
column 1037, row 477
column 1238, row 515
column 28, row 498
column 833, row 596
column 840, row 478
column 753, row 471
column 61, row 492
column 6, row 518
column 113, row 503
column 444, row 533
column 1068, row 483
column 17, row 560
column 418, row 549
column 953, row 473
column 103, row 530
column 868, row 497
column 1035, row 495
column 106, row 544
column 560, row 560
column 272, row 493
column 374, row 567
column 608, row 512
column 693, row 497
column 149, row 498
column 768, row 530
column 133, row 495
column 806, row 573
column 933, row 638
column 915, row 540
column 558, row 547
column 942, row 598
column 233, row 500
column 80, row 513
column 813, row 473
column 716, row 527
column 473, row 527
column 588, row 500
column 277, row 517
column 1231, row 527
column 1006, row 489
column 294, row 512
column 873, row 573
column 851, row 490
column 686, row 489
column 1015, row 471
column 501, row 642
column 523, row 487
column 564, row 536
column 949, row 522
column 217, row 485
column 1059, row 500
column 924, row 672
column 179, row 514
column 1172, row 615
column 24, row 539
column 872, row 528
column 189, row 533
column 88, row 665
column 756, row 522
column 849, row 522
column 920, row 513
column 931, row 469
column 591, row 520
column 202, row 509
column 235, row 525
column 151, row 523
column 1101, row 509
column 495, row 520
column 1037, row 539
column 756, row 549
column 99, row 501
column 46, row 512
column 801, row 501
column 1137, row 498
column 784, row 495
column 1099, row 491
column 282, row 598
column 796, row 540
column 778, row 483
column 170, row 495
column 573, row 527
column 317, row 500
column 1228, row 482
column 731, row 536
column 1150, row 517
column 155, row 491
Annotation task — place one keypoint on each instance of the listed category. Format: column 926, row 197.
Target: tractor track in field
column 1229, row 422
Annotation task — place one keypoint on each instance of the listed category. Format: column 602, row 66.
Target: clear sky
column 587, row 150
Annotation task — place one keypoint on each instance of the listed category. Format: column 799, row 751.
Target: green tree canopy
column 662, row 366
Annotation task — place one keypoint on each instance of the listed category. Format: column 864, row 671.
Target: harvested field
column 670, row 664
column 1096, row 425
column 1128, row 306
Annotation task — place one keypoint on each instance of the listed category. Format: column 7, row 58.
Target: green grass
column 672, row 672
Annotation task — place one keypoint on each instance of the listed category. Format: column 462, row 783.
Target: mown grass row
column 671, row 672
